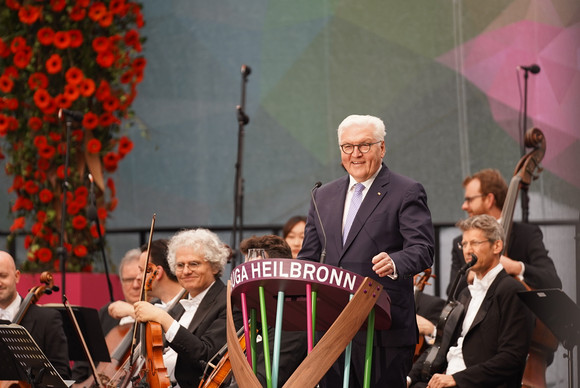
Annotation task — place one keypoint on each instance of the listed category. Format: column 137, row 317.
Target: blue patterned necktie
column 354, row 205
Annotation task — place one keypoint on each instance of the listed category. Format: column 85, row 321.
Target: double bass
column 544, row 343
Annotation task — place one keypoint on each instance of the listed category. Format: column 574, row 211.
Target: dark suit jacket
column 392, row 218
column 496, row 345
column 205, row 335
column 45, row 326
column 526, row 245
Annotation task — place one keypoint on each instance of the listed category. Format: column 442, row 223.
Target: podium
column 561, row 315
column 343, row 301
column 22, row 359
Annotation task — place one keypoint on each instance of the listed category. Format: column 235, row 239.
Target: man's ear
column 497, row 246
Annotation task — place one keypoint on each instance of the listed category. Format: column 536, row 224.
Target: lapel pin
column 379, row 193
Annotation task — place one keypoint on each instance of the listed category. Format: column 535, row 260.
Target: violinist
column 490, row 344
column 44, row 324
column 485, row 193
column 197, row 257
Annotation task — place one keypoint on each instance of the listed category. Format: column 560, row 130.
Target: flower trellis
column 84, row 56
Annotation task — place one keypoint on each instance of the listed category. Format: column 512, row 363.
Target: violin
column 420, row 281
column 34, row 295
column 544, row 342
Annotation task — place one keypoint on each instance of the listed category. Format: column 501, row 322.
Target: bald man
column 43, row 324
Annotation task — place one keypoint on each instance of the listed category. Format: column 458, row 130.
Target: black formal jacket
column 45, row 326
column 203, row 338
column 392, row 218
column 496, row 345
column 525, row 245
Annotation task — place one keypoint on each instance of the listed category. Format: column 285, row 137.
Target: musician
column 491, row 343
column 197, row 257
column 44, row 324
column 485, row 193
column 164, row 288
column 391, row 240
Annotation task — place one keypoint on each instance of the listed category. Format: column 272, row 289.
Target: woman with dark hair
column 293, row 233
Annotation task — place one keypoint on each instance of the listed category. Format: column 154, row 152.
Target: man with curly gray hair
column 196, row 329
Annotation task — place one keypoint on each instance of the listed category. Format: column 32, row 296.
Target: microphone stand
column 61, row 250
column 93, row 216
column 524, row 189
column 243, row 120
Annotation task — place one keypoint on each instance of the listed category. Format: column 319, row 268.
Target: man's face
column 131, row 281
column 9, row 277
column 487, row 252
column 361, row 166
column 474, row 202
column 193, row 271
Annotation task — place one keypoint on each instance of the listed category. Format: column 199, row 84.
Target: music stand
column 90, row 325
column 561, row 315
column 23, row 360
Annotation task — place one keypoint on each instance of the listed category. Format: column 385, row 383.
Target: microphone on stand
column 461, row 272
column 323, row 253
column 92, row 214
column 246, row 70
column 534, row 69
column 71, row 114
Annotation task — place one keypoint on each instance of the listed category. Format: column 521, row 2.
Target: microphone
column 466, row 266
column 92, row 214
column 71, row 114
column 246, row 70
column 534, row 69
column 323, row 253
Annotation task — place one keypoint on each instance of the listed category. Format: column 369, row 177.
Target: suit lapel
column 482, row 312
column 205, row 306
column 335, row 216
column 374, row 196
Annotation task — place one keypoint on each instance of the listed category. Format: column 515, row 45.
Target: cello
column 544, row 343
column 420, row 282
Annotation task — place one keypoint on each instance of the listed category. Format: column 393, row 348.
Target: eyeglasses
column 362, row 147
column 474, row 244
column 129, row 280
column 192, row 266
column 469, row 199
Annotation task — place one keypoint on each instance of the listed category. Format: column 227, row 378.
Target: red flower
column 62, row 102
column 42, row 98
column 127, row 77
column 62, row 40
column 31, row 187
column 43, row 164
column 22, row 58
column 45, row 36
column 106, row 20
column 77, row 13
column 37, row 80
column 100, row 44
column 4, row 123
column 103, row 91
column 45, row 196
column 79, row 222
column 125, row 146
column 44, row 255
column 90, row 120
column 18, row 224
column 57, row 5
column 39, row 141
column 55, row 137
column 34, row 123
column 46, row 151
column 105, row 59
column 81, row 191
column 76, row 38
column 73, row 208
column 80, row 251
column 97, row 11
column 77, row 135
column 6, row 83
column 87, row 87
column 94, row 231
column 102, row 213
column 54, row 64
column 13, row 4
column 71, row 92
column 60, row 172
column 112, row 188
column 110, row 161
column 28, row 14
column 131, row 38
column 107, row 119
column 11, row 72
column 111, row 104
column 74, row 76
column 93, row 146
column 18, row 44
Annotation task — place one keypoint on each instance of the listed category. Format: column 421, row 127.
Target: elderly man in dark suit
column 490, row 344
column 196, row 328
column 44, row 324
column 377, row 224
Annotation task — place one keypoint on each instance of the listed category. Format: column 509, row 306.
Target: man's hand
column 146, row 312
column 512, row 267
column 425, row 326
column 383, row 264
column 121, row 309
column 440, row 381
